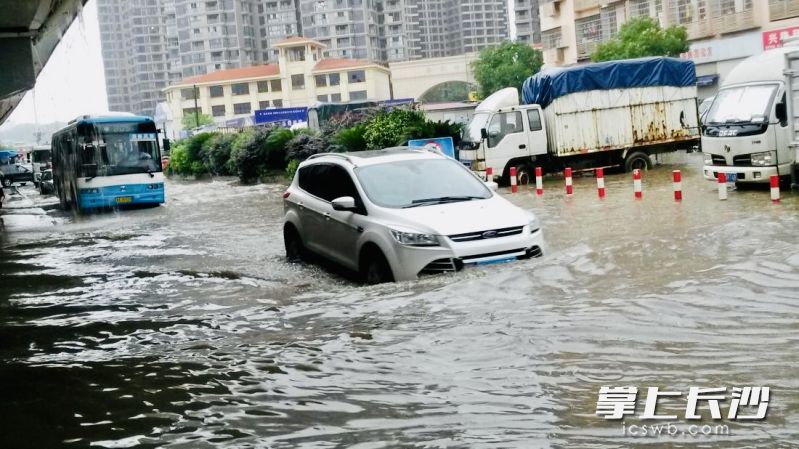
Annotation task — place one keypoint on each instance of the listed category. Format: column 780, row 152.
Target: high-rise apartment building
column 528, row 24
column 149, row 44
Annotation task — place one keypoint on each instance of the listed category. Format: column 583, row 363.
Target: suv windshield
column 745, row 104
column 420, row 183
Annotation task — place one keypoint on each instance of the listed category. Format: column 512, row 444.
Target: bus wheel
column 75, row 203
column 6, row 181
column 637, row 160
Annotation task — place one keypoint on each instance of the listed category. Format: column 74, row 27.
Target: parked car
column 46, row 183
column 20, row 173
column 397, row 213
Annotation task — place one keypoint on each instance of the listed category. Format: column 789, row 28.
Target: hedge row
column 256, row 152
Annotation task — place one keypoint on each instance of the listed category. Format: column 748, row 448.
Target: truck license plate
column 124, row 199
column 731, row 177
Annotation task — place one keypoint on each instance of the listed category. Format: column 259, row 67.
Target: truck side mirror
column 484, row 133
column 781, row 111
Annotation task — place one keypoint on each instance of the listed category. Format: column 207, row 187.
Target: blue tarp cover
column 551, row 83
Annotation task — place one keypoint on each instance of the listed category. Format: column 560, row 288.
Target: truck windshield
column 744, row 104
column 472, row 131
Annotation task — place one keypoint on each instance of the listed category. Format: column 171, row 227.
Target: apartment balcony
column 721, row 24
column 783, row 9
column 582, row 5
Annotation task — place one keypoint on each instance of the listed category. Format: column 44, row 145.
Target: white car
column 394, row 214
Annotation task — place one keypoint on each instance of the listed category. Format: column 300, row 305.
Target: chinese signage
column 282, row 116
column 142, row 137
column 745, row 403
column 775, row 38
column 713, row 50
column 443, row 145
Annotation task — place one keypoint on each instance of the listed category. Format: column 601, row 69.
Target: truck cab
column 746, row 132
column 502, row 134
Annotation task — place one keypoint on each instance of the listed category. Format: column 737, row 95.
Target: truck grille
column 742, row 160
column 491, row 234
column 719, row 160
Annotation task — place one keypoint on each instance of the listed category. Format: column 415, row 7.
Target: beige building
column 571, row 29
column 415, row 79
column 300, row 78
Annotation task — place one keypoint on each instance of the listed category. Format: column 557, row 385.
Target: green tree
column 189, row 121
column 506, row 65
column 643, row 36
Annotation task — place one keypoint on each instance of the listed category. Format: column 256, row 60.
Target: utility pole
column 196, row 109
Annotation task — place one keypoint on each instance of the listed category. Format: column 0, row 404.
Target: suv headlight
column 533, row 223
column 708, row 158
column 765, row 158
column 414, row 239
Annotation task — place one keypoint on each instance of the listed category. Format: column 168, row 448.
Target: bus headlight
column 155, row 186
column 764, row 159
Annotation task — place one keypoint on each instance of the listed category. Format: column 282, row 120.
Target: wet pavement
column 183, row 326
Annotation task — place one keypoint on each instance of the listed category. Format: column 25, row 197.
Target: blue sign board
column 443, row 144
column 283, row 116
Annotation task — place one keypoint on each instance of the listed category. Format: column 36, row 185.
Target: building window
column 241, row 108
column 216, row 91
column 241, row 89
column 358, row 95
column 296, row 54
column 218, row 110
column 263, row 86
column 322, row 98
column 189, row 111
column 187, row 94
column 298, row 82
column 276, row 86
column 321, row 80
column 335, row 79
column 263, row 104
column 356, row 76
column 335, row 98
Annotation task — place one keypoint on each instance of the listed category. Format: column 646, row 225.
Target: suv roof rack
column 338, row 155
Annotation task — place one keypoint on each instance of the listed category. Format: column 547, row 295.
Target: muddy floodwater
column 183, row 326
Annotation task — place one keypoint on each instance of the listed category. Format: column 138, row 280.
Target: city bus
column 107, row 161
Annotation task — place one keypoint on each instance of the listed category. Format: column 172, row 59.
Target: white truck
column 748, row 132
column 617, row 113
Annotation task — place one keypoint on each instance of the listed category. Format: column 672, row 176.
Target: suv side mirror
column 781, row 111
column 345, row 203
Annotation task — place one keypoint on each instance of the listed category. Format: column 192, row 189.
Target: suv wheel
column 375, row 268
column 295, row 251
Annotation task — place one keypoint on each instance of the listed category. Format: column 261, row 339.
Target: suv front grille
column 482, row 235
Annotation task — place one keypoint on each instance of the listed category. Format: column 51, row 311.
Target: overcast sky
column 72, row 83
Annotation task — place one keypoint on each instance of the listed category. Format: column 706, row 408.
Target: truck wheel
column 523, row 174
column 637, row 160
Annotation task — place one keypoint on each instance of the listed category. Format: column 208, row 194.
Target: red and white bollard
column 489, row 174
column 569, row 184
column 677, row 176
column 775, row 188
column 637, row 184
column 722, row 186
column 600, row 182
column 513, row 187
column 539, row 181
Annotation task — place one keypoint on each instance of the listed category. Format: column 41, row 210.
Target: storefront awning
column 706, row 80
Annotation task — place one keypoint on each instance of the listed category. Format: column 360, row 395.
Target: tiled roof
column 333, row 63
column 258, row 71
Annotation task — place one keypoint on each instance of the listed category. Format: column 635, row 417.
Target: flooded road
column 182, row 326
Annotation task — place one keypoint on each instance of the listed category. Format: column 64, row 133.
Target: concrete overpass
column 29, row 32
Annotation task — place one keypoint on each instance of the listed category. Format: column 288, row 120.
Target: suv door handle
column 522, row 146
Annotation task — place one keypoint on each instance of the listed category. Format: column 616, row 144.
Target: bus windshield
column 119, row 149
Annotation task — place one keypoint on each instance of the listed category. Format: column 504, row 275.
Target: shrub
column 179, row 163
column 291, row 168
column 249, row 153
column 216, row 153
column 351, row 139
column 194, row 145
column 391, row 129
column 303, row 146
column 276, row 148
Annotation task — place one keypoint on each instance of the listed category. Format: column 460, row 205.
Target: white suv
column 397, row 213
